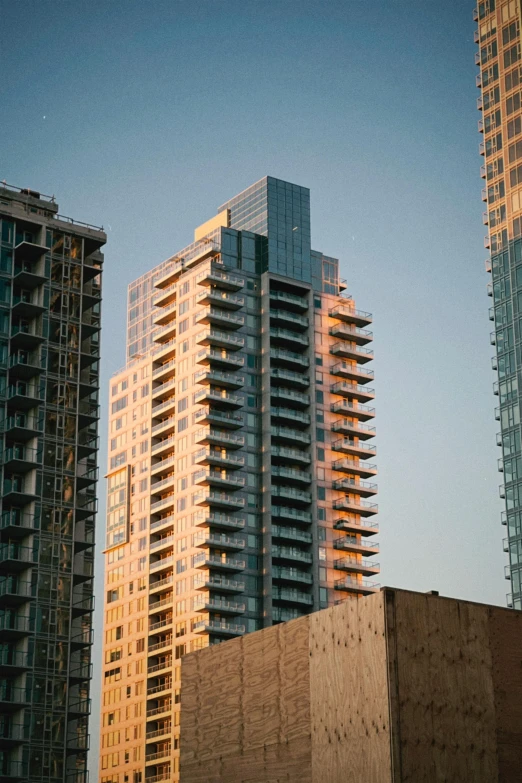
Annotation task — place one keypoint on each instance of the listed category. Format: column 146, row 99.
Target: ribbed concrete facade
column 240, row 492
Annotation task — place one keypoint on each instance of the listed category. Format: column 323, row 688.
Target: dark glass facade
column 50, row 298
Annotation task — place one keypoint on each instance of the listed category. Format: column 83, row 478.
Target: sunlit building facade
column 50, row 299
column 240, row 480
column 500, row 82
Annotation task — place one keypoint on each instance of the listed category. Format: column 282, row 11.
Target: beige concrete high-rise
column 238, row 492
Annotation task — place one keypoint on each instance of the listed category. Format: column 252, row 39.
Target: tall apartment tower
column 500, row 82
column 238, row 492
column 50, row 295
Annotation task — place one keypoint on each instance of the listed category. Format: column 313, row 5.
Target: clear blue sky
column 144, row 117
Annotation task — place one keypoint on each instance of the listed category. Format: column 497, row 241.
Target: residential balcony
column 164, row 390
column 355, row 448
column 361, row 488
column 219, row 628
column 161, row 544
column 164, row 334
column 282, row 615
column 165, row 371
column 12, row 771
column 221, row 584
column 160, row 486
column 289, row 358
column 287, row 317
column 164, row 465
column 350, row 584
column 17, row 524
column 156, row 757
column 284, row 454
column 289, row 493
column 161, row 564
column 351, row 333
column 165, row 351
column 15, row 626
column 290, row 435
column 290, row 396
column 289, row 596
column 220, row 398
column 217, row 317
column 18, row 491
column 165, row 314
column 25, row 365
column 357, row 566
column 163, row 524
column 292, row 301
column 15, row 557
column 160, row 709
column 358, row 525
column 161, row 583
column 295, row 515
column 352, row 372
column 291, row 415
column 219, row 499
column 356, row 507
column 21, row 426
column 164, row 409
column 348, row 314
column 23, row 396
column 291, row 554
column 291, row 534
column 288, row 337
column 222, row 280
column 217, row 563
column 355, row 428
column 362, row 469
column 361, row 412
column 216, row 358
column 164, row 427
column 12, row 734
column 353, row 391
column 211, row 603
column 291, row 475
column 219, row 459
column 283, row 574
column 209, row 415
column 219, row 541
column 163, row 731
column 21, row 459
column 163, row 644
column 163, row 504
column 350, row 351
column 215, row 437
column 219, row 521
column 225, row 379
column 163, row 665
column 166, row 296
column 216, row 478
column 12, row 698
column 281, row 376
column 14, row 662
column 26, row 336
column 212, row 296
column 356, row 545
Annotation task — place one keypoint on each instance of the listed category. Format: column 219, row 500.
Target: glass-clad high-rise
column 50, row 296
column 500, row 82
column 240, row 481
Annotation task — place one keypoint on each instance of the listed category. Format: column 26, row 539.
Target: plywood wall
column 245, row 709
column 442, row 701
column 349, row 697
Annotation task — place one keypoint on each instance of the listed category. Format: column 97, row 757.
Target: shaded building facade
column 50, row 299
column 240, row 440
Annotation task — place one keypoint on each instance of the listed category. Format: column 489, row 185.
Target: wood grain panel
column 447, row 714
column 505, row 630
column 349, row 698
